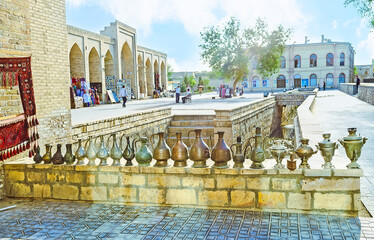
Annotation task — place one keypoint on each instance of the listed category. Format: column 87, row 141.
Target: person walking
column 324, row 85
column 358, row 81
column 177, row 94
column 123, row 94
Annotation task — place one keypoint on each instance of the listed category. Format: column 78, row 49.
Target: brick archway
column 109, row 64
column 127, row 65
column 141, row 74
column 94, row 66
column 76, row 62
column 149, row 77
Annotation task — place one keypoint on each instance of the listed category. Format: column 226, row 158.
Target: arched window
column 342, row 59
column 283, row 62
column 329, row 79
column 313, row 80
column 281, row 81
column 313, row 60
column 297, row 81
column 255, row 82
column 342, row 78
column 329, row 59
column 297, row 61
column 254, row 64
column 265, row 82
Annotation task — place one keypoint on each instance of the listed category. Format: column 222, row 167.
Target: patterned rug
column 17, row 71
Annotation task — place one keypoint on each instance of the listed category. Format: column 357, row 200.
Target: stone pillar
column 86, row 61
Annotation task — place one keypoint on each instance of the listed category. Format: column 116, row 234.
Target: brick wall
column 10, row 102
column 76, row 62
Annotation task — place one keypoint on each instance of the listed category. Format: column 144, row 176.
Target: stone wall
column 310, row 190
column 10, row 102
column 348, row 88
column 366, row 92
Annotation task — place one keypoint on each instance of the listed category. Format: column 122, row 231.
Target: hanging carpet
column 18, row 133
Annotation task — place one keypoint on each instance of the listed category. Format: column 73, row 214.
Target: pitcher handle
column 96, row 139
column 151, row 140
column 188, row 135
column 85, row 145
column 135, row 142
column 120, row 142
column 232, row 151
column 245, row 150
column 211, row 142
column 107, row 141
column 168, row 139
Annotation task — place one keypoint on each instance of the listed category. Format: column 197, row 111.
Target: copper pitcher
column 257, row 153
column 129, row 151
column 238, row 156
column 47, row 157
column 179, row 152
column 162, row 151
column 57, row 157
column 199, row 151
column 221, row 153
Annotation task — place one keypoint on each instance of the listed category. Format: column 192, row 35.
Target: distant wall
column 366, row 92
column 348, row 88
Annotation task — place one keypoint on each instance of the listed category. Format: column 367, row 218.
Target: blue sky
column 173, row 26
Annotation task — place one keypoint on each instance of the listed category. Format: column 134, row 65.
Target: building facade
column 114, row 54
column 307, row 65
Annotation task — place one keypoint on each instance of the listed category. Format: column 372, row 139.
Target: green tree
column 229, row 50
column 364, row 7
column 184, row 84
column 201, row 82
column 170, row 71
column 206, row 82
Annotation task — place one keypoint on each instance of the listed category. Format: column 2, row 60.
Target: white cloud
column 362, row 26
column 365, row 47
column 334, row 24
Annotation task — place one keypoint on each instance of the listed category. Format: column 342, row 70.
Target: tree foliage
column 170, row 71
column 229, row 50
column 364, row 7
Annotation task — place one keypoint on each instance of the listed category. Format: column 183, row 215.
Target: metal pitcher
column 102, row 152
column 304, row 152
column 327, row 149
column 47, row 157
column 238, row 157
column 143, row 156
column 115, row 151
column 80, row 154
column 57, row 157
column 199, row 151
column 353, row 145
column 90, row 152
column 257, row 153
column 221, row 153
column 129, row 151
column 179, row 152
column 37, row 158
column 162, row 151
column 69, row 158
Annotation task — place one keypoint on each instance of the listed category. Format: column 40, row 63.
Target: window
column 342, row 59
column 330, row 59
column 313, row 60
column 255, row 82
column 329, row 79
column 313, row 80
column 265, row 82
column 281, row 81
column 342, row 78
column 282, row 62
column 297, row 81
column 297, row 61
column 254, row 64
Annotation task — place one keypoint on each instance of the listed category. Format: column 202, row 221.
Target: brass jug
column 38, row 158
column 162, row 151
column 69, row 157
column 90, row 152
column 304, row 152
column 57, row 157
column 327, row 149
column 238, row 156
column 80, row 154
column 102, row 152
column 221, row 153
column 278, row 151
column 143, row 156
column 257, row 152
column 199, row 151
column 179, row 152
column 115, row 152
column 129, row 151
column 47, row 157
column 353, row 145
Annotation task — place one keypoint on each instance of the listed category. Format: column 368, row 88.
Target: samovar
column 221, row 153
column 199, row 151
column 179, row 152
column 238, row 157
column 353, row 145
column 278, row 151
column 327, row 149
column 304, row 152
column 162, row 151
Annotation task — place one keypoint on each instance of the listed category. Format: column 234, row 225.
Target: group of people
column 159, row 92
column 178, row 92
column 90, row 96
column 357, row 80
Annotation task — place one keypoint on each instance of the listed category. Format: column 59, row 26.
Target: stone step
column 173, row 140
column 193, row 117
column 207, row 131
column 192, row 123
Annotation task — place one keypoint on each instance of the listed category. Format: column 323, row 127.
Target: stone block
column 301, row 201
column 123, row 194
column 323, row 184
column 86, row 168
column 251, row 171
column 72, row 177
column 209, row 182
column 9, row 166
column 259, row 183
column 288, row 172
column 213, row 198
column 357, row 202
column 243, row 199
column 226, row 171
column 160, row 180
column 65, row 192
column 157, row 170
column 15, row 176
column 43, row 166
column 18, row 190
column 235, row 182
column 332, row 201
column 109, row 168
column 348, row 172
column 134, row 180
column 90, row 178
column 152, row 195
column 108, row 178
column 41, row 191
column 38, row 177
column 56, row 177
column 285, row 184
column 274, row 200
column 175, row 170
column 181, row 197
column 194, row 181
column 134, row 169
column 206, row 171
column 317, row 172
column 93, row 193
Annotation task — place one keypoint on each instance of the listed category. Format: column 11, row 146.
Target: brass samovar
column 327, row 149
column 353, row 145
column 304, row 152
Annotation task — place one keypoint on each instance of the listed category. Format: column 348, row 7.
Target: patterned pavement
column 74, row 220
